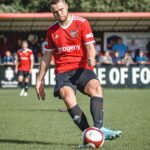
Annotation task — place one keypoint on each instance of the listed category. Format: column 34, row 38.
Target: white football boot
column 25, row 94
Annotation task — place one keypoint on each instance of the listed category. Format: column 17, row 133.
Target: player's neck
column 24, row 49
column 67, row 21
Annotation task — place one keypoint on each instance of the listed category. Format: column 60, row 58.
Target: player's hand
column 40, row 90
column 91, row 62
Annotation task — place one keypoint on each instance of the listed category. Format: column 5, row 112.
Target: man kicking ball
column 71, row 42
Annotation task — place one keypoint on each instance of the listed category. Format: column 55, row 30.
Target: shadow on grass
column 16, row 141
column 42, row 110
column 45, row 110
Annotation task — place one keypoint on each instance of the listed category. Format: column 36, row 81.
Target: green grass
column 29, row 124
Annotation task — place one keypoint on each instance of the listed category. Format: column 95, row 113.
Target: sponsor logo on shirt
column 23, row 58
column 69, row 48
column 74, row 33
column 89, row 35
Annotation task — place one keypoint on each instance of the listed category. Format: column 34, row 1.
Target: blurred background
column 121, row 30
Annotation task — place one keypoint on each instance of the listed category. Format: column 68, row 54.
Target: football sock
column 26, row 86
column 96, row 108
column 21, row 84
column 78, row 117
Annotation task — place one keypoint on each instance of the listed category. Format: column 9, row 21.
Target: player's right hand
column 40, row 90
column 91, row 62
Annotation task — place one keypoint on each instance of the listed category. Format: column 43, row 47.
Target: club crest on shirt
column 74, row 33
column 56, row 36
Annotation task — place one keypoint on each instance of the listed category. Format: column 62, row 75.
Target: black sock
column 21, row 84
column 96, row 107
column 78, row 117
column 26, row 86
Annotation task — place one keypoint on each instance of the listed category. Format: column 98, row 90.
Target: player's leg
column 21, row 82
column 78, row 116
column 65, row 89
column 26, row 82
column 91, row 85
column 94, row 90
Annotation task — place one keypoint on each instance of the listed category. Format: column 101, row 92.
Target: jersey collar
column 24, row 51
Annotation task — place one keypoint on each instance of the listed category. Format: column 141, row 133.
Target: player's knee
column 95, row 90
column 99, row 91
column 26, row 80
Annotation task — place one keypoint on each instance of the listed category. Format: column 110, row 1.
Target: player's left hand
column 40, row 90
column 91, row 62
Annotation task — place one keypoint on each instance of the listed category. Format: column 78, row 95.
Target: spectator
column 8, row 59
column 98, row 49
column 120, row 47
column 35, row 48
column 133, row 47
column 141, row 59
column 127, row 59
column 4, row 45
column 116, row 58
column 106, row 58
column 148, row 50
column 18, row 45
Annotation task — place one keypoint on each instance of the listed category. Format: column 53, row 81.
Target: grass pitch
column 29, row 124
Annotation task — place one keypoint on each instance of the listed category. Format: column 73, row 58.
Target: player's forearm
column 91, row 51
column 32, row 64
column 91, row 54
column 16, row 65
column 45, row 63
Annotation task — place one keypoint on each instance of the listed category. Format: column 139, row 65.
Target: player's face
column 24, row 45
column 60, row 11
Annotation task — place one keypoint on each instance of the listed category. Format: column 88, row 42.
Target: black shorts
column 76, row 79
column 25, row 74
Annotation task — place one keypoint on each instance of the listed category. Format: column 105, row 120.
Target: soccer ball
column 93, row 136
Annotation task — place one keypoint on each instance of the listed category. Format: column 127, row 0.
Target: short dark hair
column 24, row 42
column 52, row 2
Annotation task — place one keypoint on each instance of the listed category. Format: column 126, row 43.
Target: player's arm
column 44, row 65
column 88, row 38
column 32, row 63
column 91, row 52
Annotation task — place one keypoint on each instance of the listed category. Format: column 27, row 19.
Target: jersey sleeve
column 87, row 34
column 48, row 43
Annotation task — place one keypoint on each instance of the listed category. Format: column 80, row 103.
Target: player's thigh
column 63, row 79
column 88, row 83
column 20, row 76
column 26, row 76
column 85, row 77
column 68, row 95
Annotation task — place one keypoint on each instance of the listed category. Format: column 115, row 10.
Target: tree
column 77, row 5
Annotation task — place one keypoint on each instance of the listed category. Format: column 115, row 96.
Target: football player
column 24, row 65
column 70, row 40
